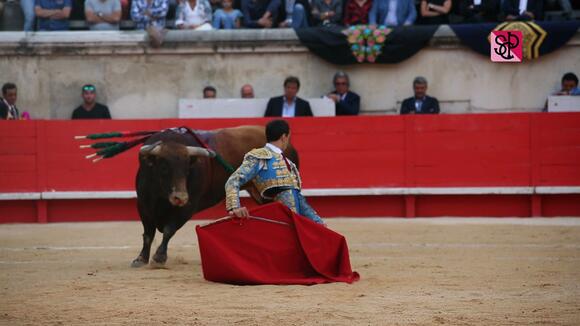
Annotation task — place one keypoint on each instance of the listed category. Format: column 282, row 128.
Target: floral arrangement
column 366, row 41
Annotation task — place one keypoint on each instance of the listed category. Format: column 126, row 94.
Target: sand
column 413, row 272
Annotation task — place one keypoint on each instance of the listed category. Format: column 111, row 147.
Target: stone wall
column 137, row 81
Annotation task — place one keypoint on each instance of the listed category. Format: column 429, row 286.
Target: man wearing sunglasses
column 90, row 109
column 346, row 102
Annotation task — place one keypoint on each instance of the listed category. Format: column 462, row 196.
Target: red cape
column 274, row 246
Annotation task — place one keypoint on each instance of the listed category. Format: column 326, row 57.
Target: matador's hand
column 240, row 212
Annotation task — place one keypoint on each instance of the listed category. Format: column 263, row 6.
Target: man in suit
column 346, row 102
column 523, row 10
column 288, row 105
column 421, row 103
column 8, row 110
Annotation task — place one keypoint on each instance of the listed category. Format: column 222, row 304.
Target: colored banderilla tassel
column 116, row 134
column 100, row 145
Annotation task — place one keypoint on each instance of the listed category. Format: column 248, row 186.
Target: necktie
column 287, row 163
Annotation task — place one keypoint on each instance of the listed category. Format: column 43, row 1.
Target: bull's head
column 170, row 165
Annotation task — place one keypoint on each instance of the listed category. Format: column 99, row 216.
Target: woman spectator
column 193, row 14
column 327, row 12
column 356, row 12
column 435, row 12
column 227, row 17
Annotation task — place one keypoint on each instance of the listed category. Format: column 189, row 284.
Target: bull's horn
column 150, row 149
column 198, row 151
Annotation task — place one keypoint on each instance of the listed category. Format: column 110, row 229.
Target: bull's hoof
column 139, row 262
column 160, row 258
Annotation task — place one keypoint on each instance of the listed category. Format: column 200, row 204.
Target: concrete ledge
column 176, row 41
column 320, row 192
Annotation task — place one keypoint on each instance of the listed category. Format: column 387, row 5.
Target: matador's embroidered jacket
column 269, row 173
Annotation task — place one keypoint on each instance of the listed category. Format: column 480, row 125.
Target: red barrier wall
column 491, row 150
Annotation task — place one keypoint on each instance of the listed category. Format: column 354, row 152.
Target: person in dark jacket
column 346, row 101
column 522, row 10
column 421, row 103
column 288, row 105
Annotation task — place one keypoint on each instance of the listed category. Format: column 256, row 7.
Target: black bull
column 178, row 178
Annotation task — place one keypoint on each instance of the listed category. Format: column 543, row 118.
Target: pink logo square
column 506, row 46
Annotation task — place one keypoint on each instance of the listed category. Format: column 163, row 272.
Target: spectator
column 346, row 102
column 194, row 14
column 327, row 12
column 90, row 109
column 479, row 11
column 421, row 103
column 53, row 14
column 103, row 15
column 435, row 12
column 260, row 13
column 392, row 12
column 8, row 109
column 227, row 17
column 209, row 92
column 28, row 11
column 288, row 105
column 149, row 13
column 294, row 13
column 522, row 10
column 356, row 12
column 247, row 91
column 569, row 84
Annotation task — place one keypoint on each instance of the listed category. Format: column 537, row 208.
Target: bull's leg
column 160, row 256
column 148, row 236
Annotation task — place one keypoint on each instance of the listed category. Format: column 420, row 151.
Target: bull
column 178, row 177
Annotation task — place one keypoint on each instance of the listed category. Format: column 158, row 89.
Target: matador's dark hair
column 275, row 129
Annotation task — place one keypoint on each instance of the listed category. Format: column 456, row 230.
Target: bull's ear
column 148, row 153
column 147, row 159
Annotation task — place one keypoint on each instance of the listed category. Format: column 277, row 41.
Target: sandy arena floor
column 413, row 272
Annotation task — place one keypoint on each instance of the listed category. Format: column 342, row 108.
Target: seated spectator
column 260, row 13
column 356, row 12
column 194, row 14
column 227, row 17
column 327, row 12
column 569, row 84
column 209, row 92
column 103, row 15
column 247, row 91
column 294, row 13
column 435, row 12
column 479, row 11
column 288, row 105
column 90, row 109
column 522, row 10
column 8, row 109
column 149, row 13
column 28, row 11
column 52, row 14
column 346, row 102
column 421, row 103
column 392, row 13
